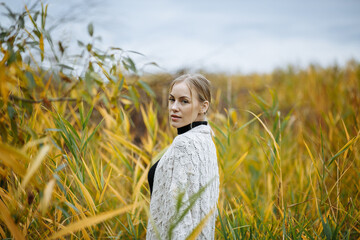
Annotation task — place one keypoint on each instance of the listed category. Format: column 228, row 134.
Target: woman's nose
column 174, row 106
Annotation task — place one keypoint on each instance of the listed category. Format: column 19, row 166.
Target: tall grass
column 291, row 172
column 75, row 150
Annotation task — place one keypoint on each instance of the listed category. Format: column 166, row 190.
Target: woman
column 188, row 167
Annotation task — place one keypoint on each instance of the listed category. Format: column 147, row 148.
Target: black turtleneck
column 180, row 130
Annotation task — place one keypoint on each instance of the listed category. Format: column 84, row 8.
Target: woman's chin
column 177, row 124
column 174, row 124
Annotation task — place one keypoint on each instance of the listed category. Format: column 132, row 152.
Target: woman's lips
column 175, row 117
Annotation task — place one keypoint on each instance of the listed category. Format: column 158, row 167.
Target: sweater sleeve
column 182, row 186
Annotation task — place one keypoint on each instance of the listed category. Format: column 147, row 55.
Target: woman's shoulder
column 193, row 136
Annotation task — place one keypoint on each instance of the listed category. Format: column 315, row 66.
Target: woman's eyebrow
column 180, row 97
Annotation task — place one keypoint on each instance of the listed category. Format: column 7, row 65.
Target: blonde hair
column 197, row 81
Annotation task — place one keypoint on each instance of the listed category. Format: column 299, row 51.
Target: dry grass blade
column 344, row 148
column 268, row 131
column 89, row 174
column 106, row 184
column 87, row 195
column 312, row 160
column 35, row 165
column 45, row 201
column 243, row 195
column 197, row 230
column 128, row 145
column 10, row 157
column 2, row 233
column 117, row 194
column 7, row 219
column 34, row 143
column 90, row 221
column 141, row 181
column 238, row 162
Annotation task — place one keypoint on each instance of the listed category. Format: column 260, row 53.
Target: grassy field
column 75, row 149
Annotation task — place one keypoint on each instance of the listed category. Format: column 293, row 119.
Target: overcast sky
column 232, row 36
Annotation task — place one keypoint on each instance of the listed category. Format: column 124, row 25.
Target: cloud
column 226, row 36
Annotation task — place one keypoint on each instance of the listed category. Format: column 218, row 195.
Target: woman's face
column 184, row 108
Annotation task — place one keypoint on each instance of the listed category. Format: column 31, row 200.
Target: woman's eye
column 185, row 101
column 171, row 99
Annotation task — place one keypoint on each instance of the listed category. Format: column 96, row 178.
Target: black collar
column 186, row 128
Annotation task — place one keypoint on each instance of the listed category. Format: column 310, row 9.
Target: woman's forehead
column 181, row 89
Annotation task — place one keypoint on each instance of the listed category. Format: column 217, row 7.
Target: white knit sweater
column 189, row 164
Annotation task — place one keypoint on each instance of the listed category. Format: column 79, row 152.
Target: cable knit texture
column 189, row 164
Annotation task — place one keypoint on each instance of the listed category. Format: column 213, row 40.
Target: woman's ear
column 204, row 107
